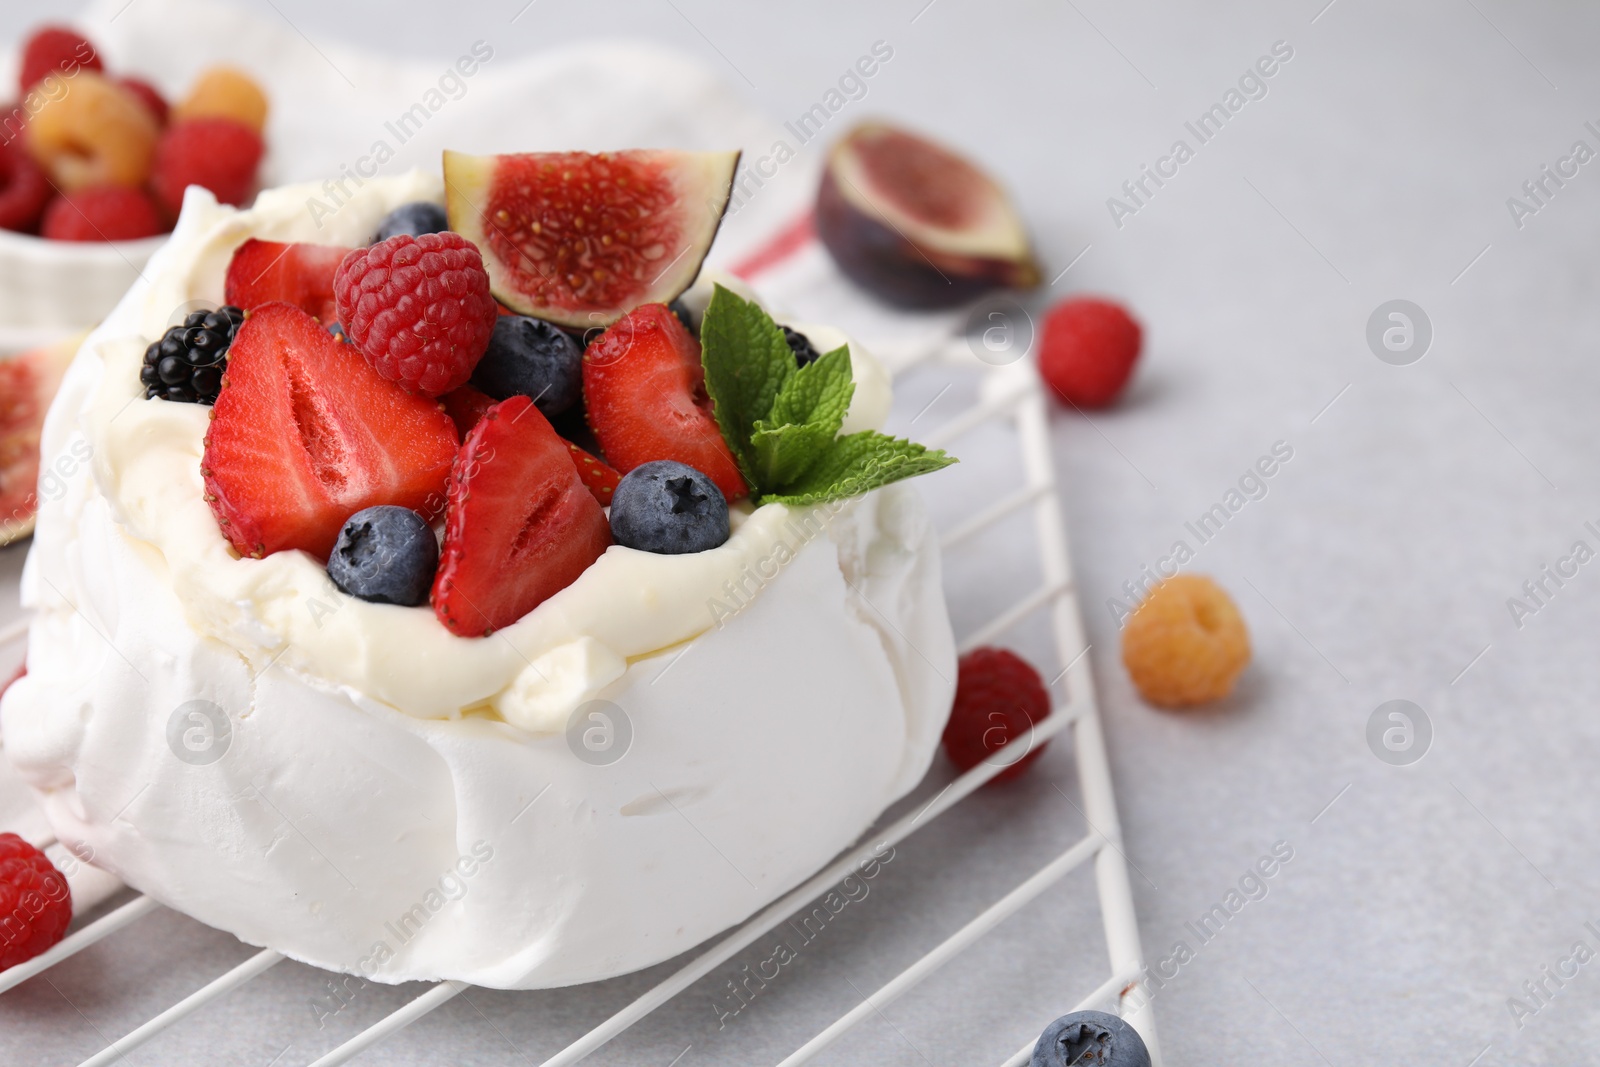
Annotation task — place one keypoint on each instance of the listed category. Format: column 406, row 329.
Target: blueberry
column 417, row 217
column 680, row 309
column 530, row 357
column 668, row 507
column 1090, row 1037
column 804, row 351
column 337, row 329
column 386, row 555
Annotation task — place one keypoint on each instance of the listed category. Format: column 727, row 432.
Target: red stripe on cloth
column 779, row 247
column 13, row 679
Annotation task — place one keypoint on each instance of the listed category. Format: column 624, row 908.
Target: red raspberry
column 102, row 213
column 13, row 124
column 418, row 308
column 35, row 903
column 24, row 190
column 148, row 95
column 55, row 49
column 1088, row 350
column 998, row 697
column 219, row 154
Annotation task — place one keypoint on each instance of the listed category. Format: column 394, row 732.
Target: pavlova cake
column 445, row 598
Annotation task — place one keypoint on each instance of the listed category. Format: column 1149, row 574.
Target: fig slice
column 28, row 383
column 917, row 225
column 580, row 239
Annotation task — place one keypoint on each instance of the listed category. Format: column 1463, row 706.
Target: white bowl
column 49, row 289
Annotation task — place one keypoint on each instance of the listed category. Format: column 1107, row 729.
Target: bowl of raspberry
column 94, row 164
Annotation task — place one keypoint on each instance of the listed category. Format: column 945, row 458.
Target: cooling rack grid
column 1009, row 395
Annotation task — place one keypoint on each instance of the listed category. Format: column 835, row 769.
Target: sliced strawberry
column 299, row 274
column 645, row 391
column 466, row 406
column 600, row 479
column 303, row 435
column 521, row 525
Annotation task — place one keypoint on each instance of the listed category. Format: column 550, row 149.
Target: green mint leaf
column 747, row 362
column 859, row 464
column 818, row 394
column 805, row 420
column 783, row 454
column 782, row 423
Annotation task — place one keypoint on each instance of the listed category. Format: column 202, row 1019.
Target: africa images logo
column 1137, row 191
column 199, row 732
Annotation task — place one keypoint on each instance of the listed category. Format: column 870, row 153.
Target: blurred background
column 1426, row 896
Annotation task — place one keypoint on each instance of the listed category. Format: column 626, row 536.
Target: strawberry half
column 644, row 387
column 300, row 274
column 465, row 407
column 305, row 433
column 521, row 526
column 600, row 479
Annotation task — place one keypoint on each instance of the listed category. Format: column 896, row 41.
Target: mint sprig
column 747, row 361
column 782, row 422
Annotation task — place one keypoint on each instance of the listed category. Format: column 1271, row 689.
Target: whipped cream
column 773, row 696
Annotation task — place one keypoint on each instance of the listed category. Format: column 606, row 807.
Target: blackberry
column 186, row 365
column 804, row 351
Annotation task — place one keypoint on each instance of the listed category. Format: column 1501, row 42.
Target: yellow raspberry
column 95, row 133
column 1186, row 644
column 224, row 93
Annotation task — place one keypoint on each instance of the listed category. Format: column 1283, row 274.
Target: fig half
column 28, row 383
column 581, row 239
column 917, row 225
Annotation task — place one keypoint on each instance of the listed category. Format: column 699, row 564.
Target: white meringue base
column 759, row 750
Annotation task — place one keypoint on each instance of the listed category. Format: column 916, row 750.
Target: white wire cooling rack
column 1013, row 395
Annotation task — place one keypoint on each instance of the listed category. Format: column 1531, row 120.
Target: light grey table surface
column 1378, row 566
